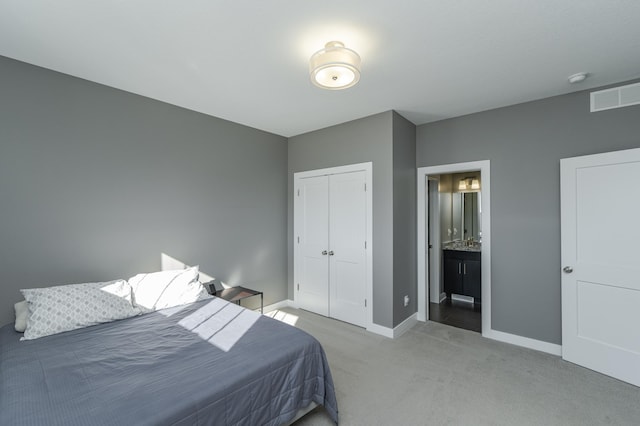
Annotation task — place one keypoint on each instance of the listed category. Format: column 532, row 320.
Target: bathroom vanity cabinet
column 462, row 273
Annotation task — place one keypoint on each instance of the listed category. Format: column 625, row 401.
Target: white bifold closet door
column 313, row 242
column 332, row 246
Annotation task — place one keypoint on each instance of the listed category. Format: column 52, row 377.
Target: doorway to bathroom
column 454, row 262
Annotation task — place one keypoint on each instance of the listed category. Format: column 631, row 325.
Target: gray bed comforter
column 151, row 370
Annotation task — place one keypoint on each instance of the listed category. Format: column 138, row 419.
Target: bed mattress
column 157, row 369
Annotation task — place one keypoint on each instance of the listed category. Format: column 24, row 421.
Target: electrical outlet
column 406, row 301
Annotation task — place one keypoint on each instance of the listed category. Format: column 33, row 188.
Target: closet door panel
column 313, row 290
column 347, row 237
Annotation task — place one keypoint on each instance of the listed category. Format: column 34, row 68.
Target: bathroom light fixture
column 468, row 183
column 335, row 67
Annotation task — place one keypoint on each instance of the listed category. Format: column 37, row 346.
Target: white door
column 313, row 245
column 347, row 251
column 600, row 202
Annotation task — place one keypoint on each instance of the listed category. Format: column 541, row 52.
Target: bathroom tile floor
column 457, row 314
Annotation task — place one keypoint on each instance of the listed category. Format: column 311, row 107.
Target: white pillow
column 165, row 289
column 22, row 313
column 67, row 307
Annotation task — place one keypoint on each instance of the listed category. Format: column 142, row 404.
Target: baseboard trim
column 391, row 333
column 443, row 297
column 382, row 331
column 405, row 325
column 399, row 330
column 462, row 298
column 525, row 342
column 288, row 303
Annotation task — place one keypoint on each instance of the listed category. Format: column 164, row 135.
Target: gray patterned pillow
column 67, row 307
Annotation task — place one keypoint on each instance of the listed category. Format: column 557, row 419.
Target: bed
column 166, row 368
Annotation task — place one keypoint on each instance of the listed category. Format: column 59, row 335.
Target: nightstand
column 236, row 294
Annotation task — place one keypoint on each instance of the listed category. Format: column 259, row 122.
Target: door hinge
column 298, row 286
column 298, row 240
column 365, row 245
column 365, row 303
column 365, row 187
column 298, row 192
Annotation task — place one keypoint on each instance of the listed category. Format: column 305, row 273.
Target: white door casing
column 485, row 170
column 352, row 303
column 347, row 250
column 434, row 253
column 313, row 244
column 600, row 278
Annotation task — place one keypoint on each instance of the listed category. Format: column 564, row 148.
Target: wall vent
column 616, row 97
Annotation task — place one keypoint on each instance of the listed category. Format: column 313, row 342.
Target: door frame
column 433, row 274
column 485, row 172
column 368, row 169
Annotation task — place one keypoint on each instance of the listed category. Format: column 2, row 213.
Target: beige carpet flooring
column 439, row 375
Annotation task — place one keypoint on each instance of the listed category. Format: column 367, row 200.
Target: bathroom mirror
column 465, row 215
column 471, row 214
column 460, row 208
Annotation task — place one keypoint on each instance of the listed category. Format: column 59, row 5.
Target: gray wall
column 95, row 183
column 525, row 144
column 359, row 141
column 404, row 218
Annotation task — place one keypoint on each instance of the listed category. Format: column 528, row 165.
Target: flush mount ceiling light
column 577, row 78
column 335, row 67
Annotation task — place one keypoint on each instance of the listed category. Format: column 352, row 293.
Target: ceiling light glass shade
column 462, row 185
column 335, row 67
column 475, row 184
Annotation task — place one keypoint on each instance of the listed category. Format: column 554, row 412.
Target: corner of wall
column 404, row 218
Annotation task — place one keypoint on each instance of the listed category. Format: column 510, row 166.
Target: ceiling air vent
column 616, row 97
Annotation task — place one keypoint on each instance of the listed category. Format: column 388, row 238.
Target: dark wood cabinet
column 462, row 273
column 452, row 275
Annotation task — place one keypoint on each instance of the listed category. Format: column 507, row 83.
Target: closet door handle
column 324, row 252
column 331, row 253
column 459, row 268
column 465, row 268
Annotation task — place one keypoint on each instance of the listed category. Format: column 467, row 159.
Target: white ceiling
column 247, row 60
